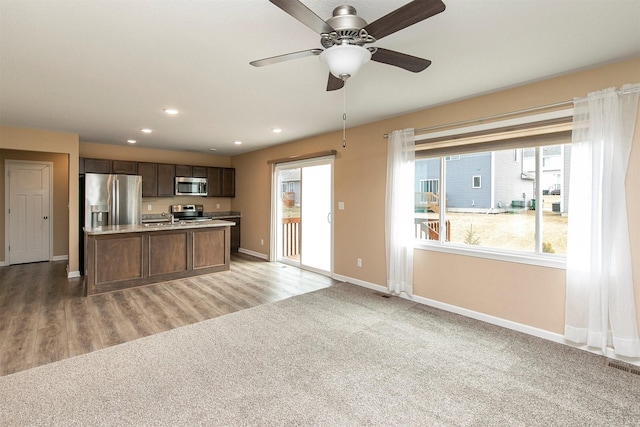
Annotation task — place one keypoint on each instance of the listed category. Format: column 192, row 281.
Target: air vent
column 623, row 367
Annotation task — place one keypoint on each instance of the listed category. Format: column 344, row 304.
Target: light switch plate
column 341, row 206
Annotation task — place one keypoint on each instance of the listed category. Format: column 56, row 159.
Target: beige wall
column 141, row 154
column 521, row 293
column 31, row 142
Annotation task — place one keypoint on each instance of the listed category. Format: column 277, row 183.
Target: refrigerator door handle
column 116, row 201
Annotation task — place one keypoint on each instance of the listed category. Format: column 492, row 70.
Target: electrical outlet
column 262, row 242
column 148, row 207
column 217, row 205
column 341, row 206
column 359, row 262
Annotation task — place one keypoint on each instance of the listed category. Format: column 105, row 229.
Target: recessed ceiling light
column 171, row 111
column 237, row 142
column 131, row 141
column 145, row 130
column 276, row 130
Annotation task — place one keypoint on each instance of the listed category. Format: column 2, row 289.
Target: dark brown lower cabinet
column 209, row 248
column 125, row 260
column 168, row 253
column 235, row 234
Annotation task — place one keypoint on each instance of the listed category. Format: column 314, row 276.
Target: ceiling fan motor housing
column 348, row 28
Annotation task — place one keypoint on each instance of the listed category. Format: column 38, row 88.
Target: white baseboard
column 508, row 324
column 54, row 258
column 252, row 253
column 73, row 274
column 362, row 283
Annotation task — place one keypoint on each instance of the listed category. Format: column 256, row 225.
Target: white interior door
column 302, row 221
column 29, row 212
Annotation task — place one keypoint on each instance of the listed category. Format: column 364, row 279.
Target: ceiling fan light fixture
column 345, row 60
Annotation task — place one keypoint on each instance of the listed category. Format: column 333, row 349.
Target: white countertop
column 156, row 226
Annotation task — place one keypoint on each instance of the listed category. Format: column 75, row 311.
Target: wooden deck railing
column 427, row 202
column 430, row 229
column 290, row 237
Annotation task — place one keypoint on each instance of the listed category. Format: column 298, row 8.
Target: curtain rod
column 495, row 116
column 303, row 157
column 511, row 113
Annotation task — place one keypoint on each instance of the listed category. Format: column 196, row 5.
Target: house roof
column 106, row 69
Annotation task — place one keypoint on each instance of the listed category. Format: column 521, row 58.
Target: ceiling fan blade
column 285, row 57
column 303, row 14
column 404, row 16
column 402, row 60
column 334, row 83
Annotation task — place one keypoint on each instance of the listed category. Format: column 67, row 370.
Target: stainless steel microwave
column 187, row 186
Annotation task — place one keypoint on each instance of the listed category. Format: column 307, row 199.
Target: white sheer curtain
column 399, row 228
column 600, row 305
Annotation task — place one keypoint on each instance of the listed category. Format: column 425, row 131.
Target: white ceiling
column 104, row 69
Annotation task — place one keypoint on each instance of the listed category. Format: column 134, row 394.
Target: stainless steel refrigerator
column 112, row 199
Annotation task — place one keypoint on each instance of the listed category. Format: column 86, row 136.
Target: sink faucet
column 172, row 218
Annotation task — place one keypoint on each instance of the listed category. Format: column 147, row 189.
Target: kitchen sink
column 181, row 222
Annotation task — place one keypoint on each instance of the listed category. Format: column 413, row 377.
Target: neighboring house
column 290, row 186
column 492, row 181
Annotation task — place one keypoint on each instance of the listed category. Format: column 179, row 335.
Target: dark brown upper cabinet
column 96, row 166
column 124, row 167
column 221, row 182
column 228, row 182
column 214, row 182
column 157, row 179
column 192, row 171
column 184, row 170
column 166, row 179
column 198, row 171
column 149, row 174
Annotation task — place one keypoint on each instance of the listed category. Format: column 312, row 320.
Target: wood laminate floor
column 45, row 318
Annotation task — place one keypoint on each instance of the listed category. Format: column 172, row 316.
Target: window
column 477, row 181
column 503, row 211
column 429, row 185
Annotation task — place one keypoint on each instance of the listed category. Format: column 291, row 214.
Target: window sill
column 542, row 260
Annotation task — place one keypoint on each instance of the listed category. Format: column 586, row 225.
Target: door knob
column 46, row 217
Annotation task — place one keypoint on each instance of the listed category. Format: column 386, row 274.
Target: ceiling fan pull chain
column 344, row 117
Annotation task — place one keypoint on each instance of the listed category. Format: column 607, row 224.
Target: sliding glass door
column 303, row 200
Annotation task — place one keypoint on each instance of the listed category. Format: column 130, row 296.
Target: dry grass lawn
column 510, row 230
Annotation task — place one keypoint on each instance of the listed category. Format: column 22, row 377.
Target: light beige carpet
column 339, row 356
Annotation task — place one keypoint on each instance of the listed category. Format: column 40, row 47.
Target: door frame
column 273, row 235
column 7, row 202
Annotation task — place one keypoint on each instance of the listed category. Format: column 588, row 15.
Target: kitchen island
column 124, row 256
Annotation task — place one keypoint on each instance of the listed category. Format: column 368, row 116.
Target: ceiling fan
column 345, row 35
